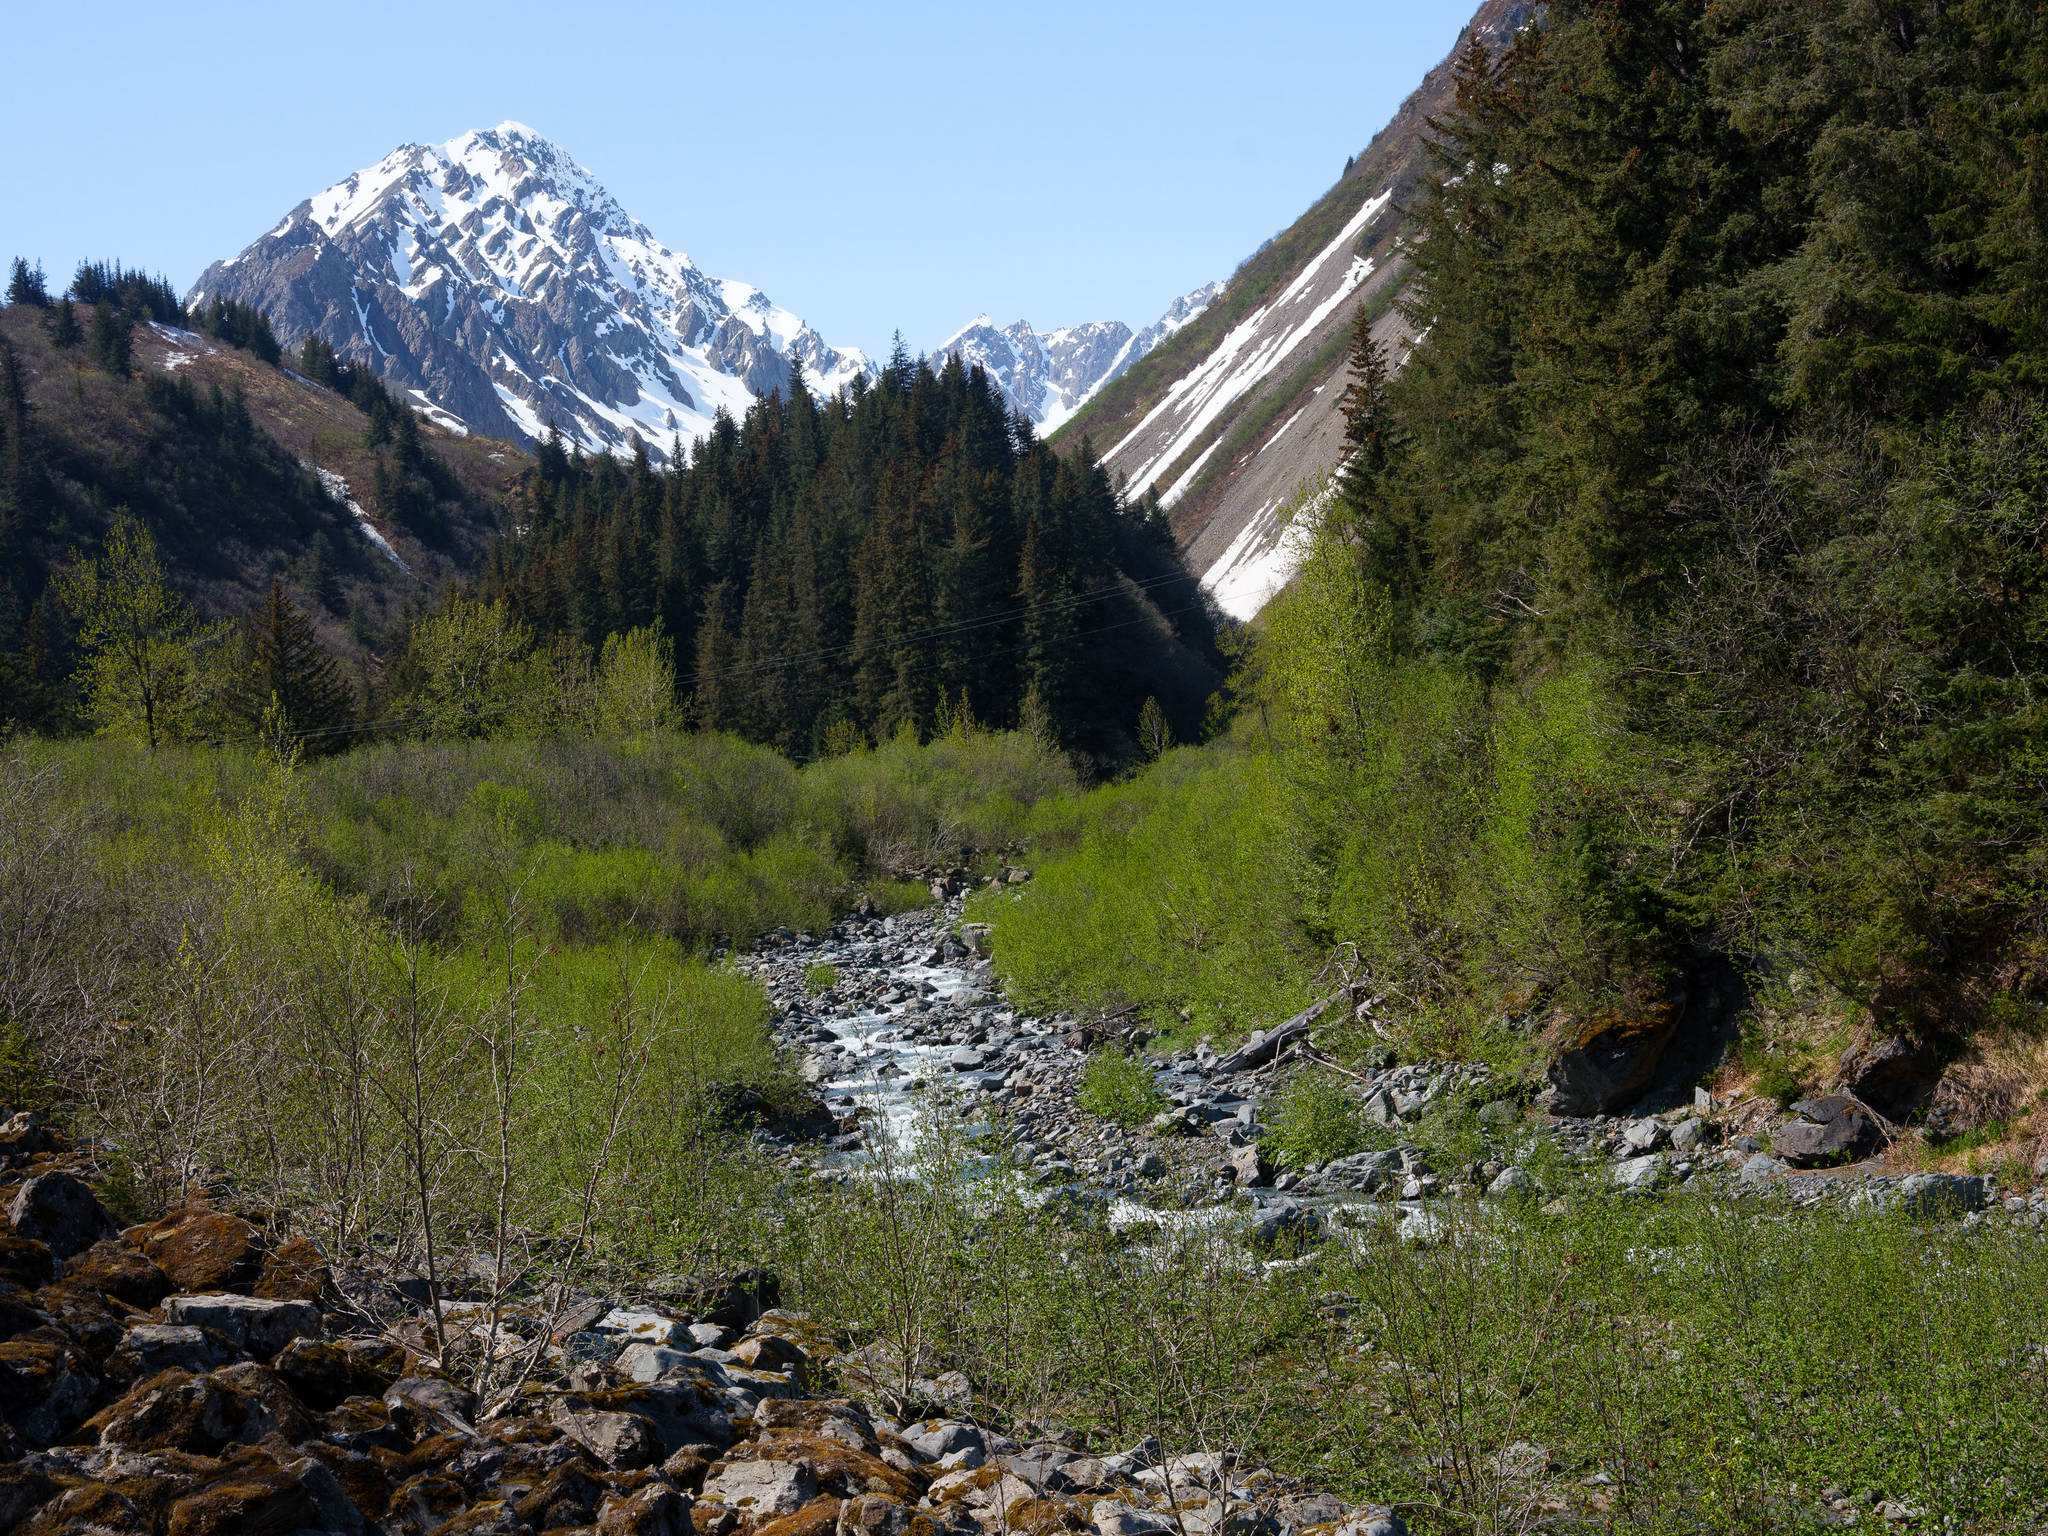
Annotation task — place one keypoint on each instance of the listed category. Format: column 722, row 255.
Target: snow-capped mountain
column 496, row 282
column 1049, row 375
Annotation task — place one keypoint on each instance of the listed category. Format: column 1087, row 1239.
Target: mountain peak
column 1049, row 375
column 498, row 280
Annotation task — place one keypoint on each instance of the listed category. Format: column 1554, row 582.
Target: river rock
column 60, row 1211
column 204, row 1250
column 1829, row 1129
column 1894, row 1074
column 1934, row 1195
column 1511, row 1184
column 761, row 1488
column 260, row 1326
column 1601, row 1063
column 1637, row 1174
column 1248, row 1166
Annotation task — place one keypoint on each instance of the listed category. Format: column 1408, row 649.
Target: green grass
column 1720, row 1365
column 1118, row 1088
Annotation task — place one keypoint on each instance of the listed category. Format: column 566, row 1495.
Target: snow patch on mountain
column 498, row 285
column 1256, row 346
column 1049, row 375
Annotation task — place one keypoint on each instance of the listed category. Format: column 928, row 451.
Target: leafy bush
column 1171, row 890
column 821, row 977
column 1316, row 1119
column 1119, row 1088
column 1776, row 1079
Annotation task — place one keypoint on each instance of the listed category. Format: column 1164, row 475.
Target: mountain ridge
column 1229, row 417
column 1047, row 376
column 494, row 282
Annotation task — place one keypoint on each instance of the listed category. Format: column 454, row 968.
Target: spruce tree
column 64, row 329
column 1368, row 422
column 26, row 285
column 289, row 686
column 109, row 344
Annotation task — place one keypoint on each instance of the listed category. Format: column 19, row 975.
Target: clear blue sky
column 870, row 166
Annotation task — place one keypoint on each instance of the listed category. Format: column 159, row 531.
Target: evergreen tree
column 64, row 330
column 289, row 686
column 1368, row 422
column 26, row 286
column 109, row 344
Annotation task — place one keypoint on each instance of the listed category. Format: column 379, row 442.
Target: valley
column 1406, row 901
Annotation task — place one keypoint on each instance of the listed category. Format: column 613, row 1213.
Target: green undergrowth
column 1118, row 1088
column 1170, row 890
column 1315, row 1118
column 453, row 994
column 1655, row 1365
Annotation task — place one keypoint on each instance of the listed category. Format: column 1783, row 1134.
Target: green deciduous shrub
column 1315, row 1119
column 1119, row 1088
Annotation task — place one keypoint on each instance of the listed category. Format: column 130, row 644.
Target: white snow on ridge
column 447, row 420
column 504, row 218
column 1252, row 350
column 1262, row 559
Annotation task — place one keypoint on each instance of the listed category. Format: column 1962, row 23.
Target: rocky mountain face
column 494, row 282
column 1049, row 375
column 1235, row 410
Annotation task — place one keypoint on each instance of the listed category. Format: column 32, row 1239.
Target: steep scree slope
column 1227, row 417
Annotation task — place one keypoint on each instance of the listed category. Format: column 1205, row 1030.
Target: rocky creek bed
column 914, row 1012
column 193, row 1376
column 200, row 1376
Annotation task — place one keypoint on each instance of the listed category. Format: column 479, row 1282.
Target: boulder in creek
column 833, row 1465
column 652, row 1510
column 424, row 1406
column 323, row 1376
column 679, row 1413
column 872, row 1514
column 256, row 1493
column 1511, row 1184
column 761, row 1488
column 1378, row 1520
column 46, row 1386
column 1828, row 1130
column 623, row 1441
column 1894, row 1075
column 60, row 1211
column 120, row 1271
column 150, row 1348
column 768, row 1352
column 1248, row 1166
column 175, row 1410
column 1111, row 1518
column 27, row 1263
column 1600, row 1063
column 1640, row 1174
